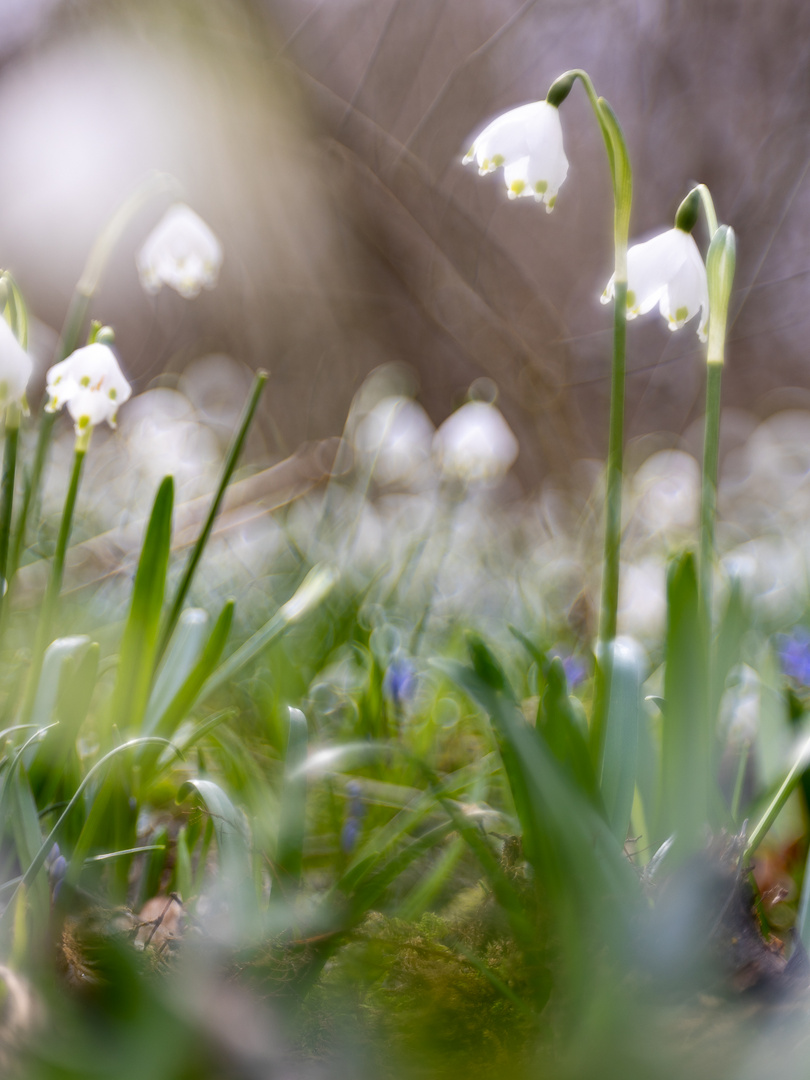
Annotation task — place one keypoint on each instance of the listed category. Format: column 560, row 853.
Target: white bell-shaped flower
column 668, row 271
column 181, row 251
column 15, row 368
column 91, row 384
column 475, row 444
column 398, row 433
column 528, row 143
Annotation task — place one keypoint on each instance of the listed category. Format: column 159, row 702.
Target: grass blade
column 292, row 820
column 139, row 644
column 687, row 742
column 196, row 552
column 621, row 743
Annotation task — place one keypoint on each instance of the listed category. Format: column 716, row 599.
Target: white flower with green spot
column 91, row 384
column 15, row 369
column 181, row 251
column 527, row 142
column 667, row 270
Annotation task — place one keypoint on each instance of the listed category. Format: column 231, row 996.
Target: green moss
column 406, row 996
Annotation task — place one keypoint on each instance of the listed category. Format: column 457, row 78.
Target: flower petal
column 688, row 291
column 667, row 271
column 528, row 143
column 475, row 444
column 15, row 366
column 182, row 252
column 90, row 383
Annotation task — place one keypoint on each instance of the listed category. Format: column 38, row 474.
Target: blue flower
column 794, row 654
column 350, row 833
column 399, row 683
column 575, row 667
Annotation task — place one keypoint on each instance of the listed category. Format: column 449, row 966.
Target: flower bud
column 105, row 335
column 721, row 262
column 560, row 89
column 687, row 215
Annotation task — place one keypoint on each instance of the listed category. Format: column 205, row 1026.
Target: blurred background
column 322, row 141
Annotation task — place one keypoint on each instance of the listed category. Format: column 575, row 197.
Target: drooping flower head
column 668, row 270
column 528, row 143
column 181, row 251
column 15, row 368
column 475, row 444
column 91, row 384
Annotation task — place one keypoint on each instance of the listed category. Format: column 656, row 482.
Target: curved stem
column 622, row 182
column 708, row 209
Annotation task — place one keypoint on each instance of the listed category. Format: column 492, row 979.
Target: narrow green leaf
column 177, row 708
column 28, row 839
column 292, row 820
column 182, row 866
column 621, row 743
column 49, row 686
column 564, row 837
column 794, row 775
column 734, row 624
column 559, row 724
column 153, row 869
column 687, row 741
column 231, row 458
column 230, row 828
column 139, row 644
column 315, row 587
column 188, row 641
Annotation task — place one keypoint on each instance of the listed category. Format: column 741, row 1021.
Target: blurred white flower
column 643, row 599
column 475, row 444
column 181, row 251
column 15, row 367
column 667, row 491
column 528, row 143
column 399, row 432
column 91, row 384
column 667, row 270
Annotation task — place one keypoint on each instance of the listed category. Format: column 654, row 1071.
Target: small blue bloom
column 349, row 835
column 399, row 683
column 575, row 668
column 794, row 654
column 350, row 832
column 57, row 869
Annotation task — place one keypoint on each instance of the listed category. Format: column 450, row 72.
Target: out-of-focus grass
column 385, row 834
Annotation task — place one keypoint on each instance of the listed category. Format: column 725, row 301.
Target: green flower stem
column 613, row 496
column 708, row 498
column 7, row 491
column 32, row 483
column 227, row 471
column 44, row 627
column 68, row 341
column 708, row 209
column 622, row 181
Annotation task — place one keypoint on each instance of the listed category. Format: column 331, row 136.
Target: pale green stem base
column 708, row 501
